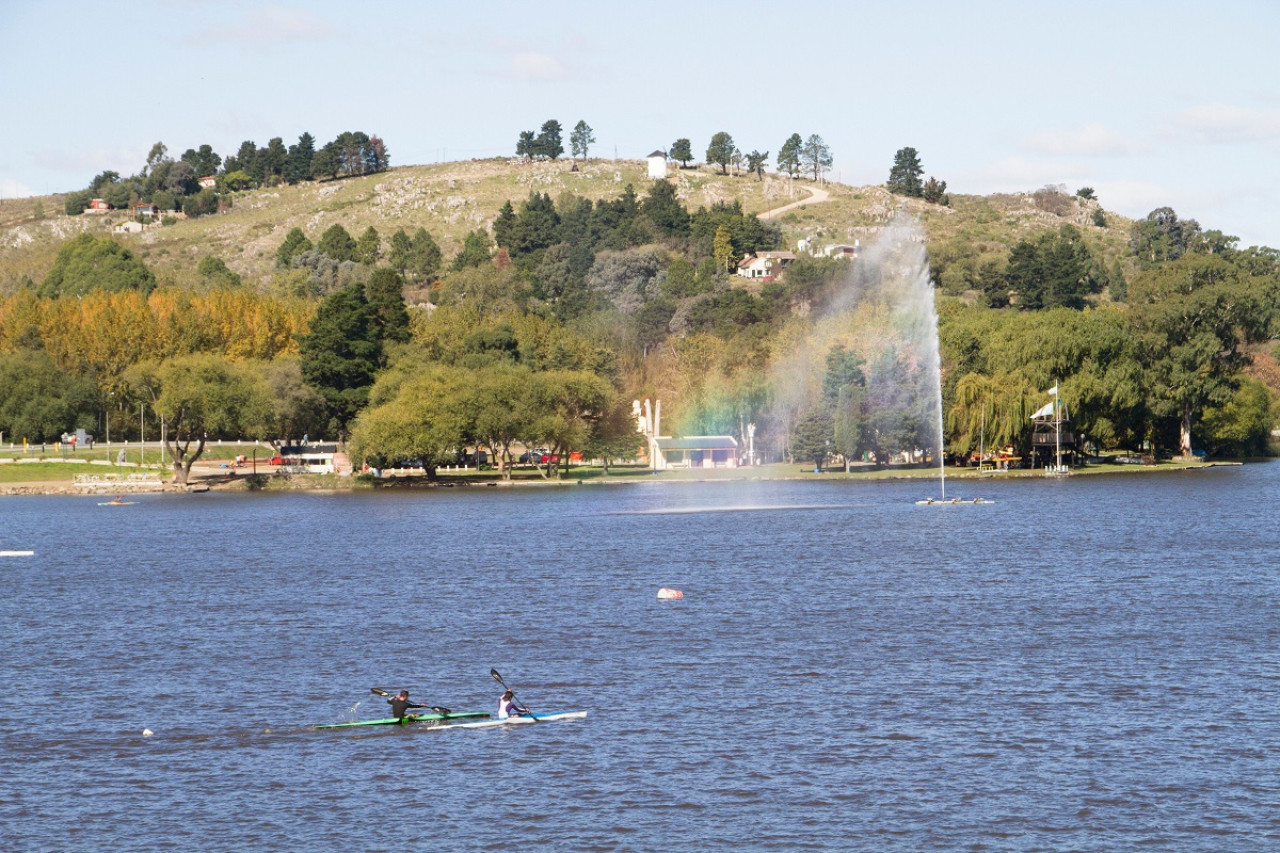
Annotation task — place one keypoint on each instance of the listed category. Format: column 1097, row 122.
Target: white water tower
column 658, row 166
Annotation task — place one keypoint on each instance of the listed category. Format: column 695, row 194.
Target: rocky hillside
column 451, row 199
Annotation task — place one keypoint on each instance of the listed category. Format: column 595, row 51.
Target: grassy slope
column 451, row 199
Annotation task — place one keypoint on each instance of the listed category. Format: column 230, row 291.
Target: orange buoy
column 667, row 594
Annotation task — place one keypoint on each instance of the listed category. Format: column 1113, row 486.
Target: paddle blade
column 443, row 711
column 378, row 691
column 497, row 677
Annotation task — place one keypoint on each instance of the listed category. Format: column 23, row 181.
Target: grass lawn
column 52, row 472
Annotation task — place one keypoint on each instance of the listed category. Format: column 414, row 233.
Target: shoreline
column 217, row 480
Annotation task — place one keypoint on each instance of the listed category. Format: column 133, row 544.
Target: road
column 818, row 196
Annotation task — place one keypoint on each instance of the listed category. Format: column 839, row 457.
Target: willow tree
column 199, row 397
column 990, row 411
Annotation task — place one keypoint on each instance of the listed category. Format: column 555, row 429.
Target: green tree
column 665, row 211
column 296, row 409
column 904, row 177
column 237, row 180
column 581, row 139
column 199, row 397
column 400, row 251
column 502, row 409
column 755, row 163
column 1239, row 427
column 337, row 244
column 424, row 419
column 815, row 156
column 39, row 401
column 1162, row 237
column 298, row 166
column 722, row 249
column 548, row 142
column 568, row 408
column 526, row 145
column 475, row 250
column 720, row 151
column 812, row 436
column 1194, row 319
column 369, row 247
column 1085, row 193
column 385, row 294
column 216, row 274
column 89, row 263
column 426, row 260
column 203, row 160
column 682, row 150
column 295, row 243
column 1054, row 269
column 76, row 203
column 341, row 354
column 789, row 155
column 325, row 164
column 935, row 192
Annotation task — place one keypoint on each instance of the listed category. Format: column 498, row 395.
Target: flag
column 1043, row 411
column 1054, row 390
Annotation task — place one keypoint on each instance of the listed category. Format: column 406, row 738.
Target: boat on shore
column 408, row 718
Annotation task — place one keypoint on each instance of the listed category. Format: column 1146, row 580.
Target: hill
column 452, row 199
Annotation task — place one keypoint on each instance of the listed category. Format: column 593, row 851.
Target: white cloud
column 1088, row 140
column 1012, row 174
column 1220, row 124
column 541, row 67
column 271, row 24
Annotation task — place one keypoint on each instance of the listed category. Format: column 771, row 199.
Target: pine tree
column 789, row 155
column 904, row 177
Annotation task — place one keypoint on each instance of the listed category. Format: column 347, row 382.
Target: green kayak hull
column 408, row 718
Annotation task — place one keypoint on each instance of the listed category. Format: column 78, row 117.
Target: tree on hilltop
column 720, row 151
column 904, row 177
column 755, row 163
column 789, row 155
column 682, row 151
column 815, row 156
column 548, row 142
column 581, row 139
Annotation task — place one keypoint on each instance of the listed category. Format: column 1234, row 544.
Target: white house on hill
column 764, row 265
column 658, row 166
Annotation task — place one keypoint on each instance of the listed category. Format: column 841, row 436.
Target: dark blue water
column 1087, row 664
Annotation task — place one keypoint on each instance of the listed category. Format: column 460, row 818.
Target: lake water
column 1089, row 664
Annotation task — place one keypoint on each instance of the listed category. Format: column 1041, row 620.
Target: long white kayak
column 515, row 721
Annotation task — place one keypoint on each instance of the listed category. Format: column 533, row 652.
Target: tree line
column 541, row 329
column 174, row 184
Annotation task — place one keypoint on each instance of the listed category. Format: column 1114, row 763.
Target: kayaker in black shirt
column 400, row 704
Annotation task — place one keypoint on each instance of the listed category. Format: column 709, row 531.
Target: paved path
column 818, row 196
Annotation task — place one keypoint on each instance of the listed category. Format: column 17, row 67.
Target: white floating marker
column 17, row 553
column 147, row 733
column 668, row 594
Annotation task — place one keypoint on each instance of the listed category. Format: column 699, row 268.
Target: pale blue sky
column 1151, row 103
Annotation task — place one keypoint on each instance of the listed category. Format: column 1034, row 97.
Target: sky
column 1151, row 104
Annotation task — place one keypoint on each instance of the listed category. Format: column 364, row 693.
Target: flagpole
column 1057, row 430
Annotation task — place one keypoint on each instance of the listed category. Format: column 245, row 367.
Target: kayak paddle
column 378, row 691
column 498, row 678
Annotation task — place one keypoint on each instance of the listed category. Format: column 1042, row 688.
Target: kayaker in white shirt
column 509, row 707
